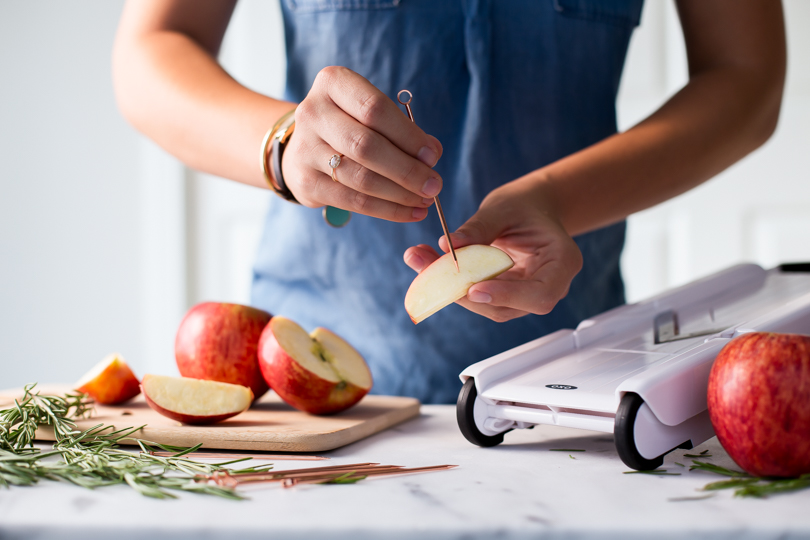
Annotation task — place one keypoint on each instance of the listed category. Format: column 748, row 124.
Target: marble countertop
column 519, row 489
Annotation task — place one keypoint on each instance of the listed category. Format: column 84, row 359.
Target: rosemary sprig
column 774, row 486
column 745, row 485
column 92, row 458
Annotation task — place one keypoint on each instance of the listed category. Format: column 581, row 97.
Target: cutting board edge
column 302, row 442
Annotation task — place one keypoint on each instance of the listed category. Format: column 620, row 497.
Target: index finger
column 364, row 102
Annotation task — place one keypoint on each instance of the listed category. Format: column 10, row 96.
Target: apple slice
column 110, row 381
column 195, row 401
column 439, row 284
column 319, row 373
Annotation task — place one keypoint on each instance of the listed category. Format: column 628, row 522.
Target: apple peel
column 439, row 285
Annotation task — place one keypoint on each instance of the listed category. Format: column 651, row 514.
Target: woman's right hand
column 386, row 170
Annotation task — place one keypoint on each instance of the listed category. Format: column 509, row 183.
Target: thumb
column 484, row 227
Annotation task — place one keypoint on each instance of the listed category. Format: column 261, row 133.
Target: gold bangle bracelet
column 276, row 137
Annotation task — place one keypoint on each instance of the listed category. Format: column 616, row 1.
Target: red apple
column 218, row 341
column 110, row 381
column 759, row 402
column 318, row 373
column 194, row 401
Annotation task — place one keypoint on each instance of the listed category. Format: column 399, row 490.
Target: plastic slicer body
column 639, row 371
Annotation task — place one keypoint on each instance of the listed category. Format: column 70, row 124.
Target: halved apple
column 195, row 401
column 109, row 382
column 319, row 373
column 439, row 284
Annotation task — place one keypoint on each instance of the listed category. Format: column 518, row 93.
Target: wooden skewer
column 270, row 476
column 316, row 475
column 442, row 219
column 225, row 478
column 291, row 482
column 321, row 475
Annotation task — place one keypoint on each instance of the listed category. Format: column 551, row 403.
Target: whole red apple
column 319, row 373
column 759, row 402
column 218, row 342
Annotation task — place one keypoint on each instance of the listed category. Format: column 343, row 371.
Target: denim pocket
column 340, row 5
column 620, row 12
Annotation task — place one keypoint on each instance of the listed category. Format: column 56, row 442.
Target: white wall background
column 69, row 210
column 105, row 241
column 758, row 210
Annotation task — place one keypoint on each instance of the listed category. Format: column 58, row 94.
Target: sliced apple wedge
column 439, row 284
column 319, row 373
column 195, row 401
column 109, row 382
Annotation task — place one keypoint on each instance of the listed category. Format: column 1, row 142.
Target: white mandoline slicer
column 639, row 371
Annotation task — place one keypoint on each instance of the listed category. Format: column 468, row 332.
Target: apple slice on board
column 195, row 401
column 109, row 382
column 439, row 284
column 319, row 373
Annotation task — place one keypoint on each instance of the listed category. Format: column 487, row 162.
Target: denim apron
column 507, row 86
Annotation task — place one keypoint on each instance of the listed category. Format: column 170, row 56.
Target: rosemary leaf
column 710, row 467
column 727, row 484
column 347, row 478
column 657, row 472
column 695, row 498
column 774, row 486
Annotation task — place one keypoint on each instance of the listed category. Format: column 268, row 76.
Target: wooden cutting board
column 270, row 425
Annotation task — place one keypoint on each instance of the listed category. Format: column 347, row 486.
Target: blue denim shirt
column 507, row 86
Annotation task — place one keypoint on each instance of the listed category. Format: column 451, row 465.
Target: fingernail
column 427, row 156
column 427, row 201
column 419, row 213
column 479, row 297
column 431, row 187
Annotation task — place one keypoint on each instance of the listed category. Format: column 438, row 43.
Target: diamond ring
column 334, row 162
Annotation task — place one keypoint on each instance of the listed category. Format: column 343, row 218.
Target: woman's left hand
column 518, row 219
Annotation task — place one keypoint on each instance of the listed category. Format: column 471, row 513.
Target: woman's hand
column 386, row 169
column 517, row 219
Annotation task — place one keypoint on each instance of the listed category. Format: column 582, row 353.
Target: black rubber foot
column 623, row 435
column 466, row 419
